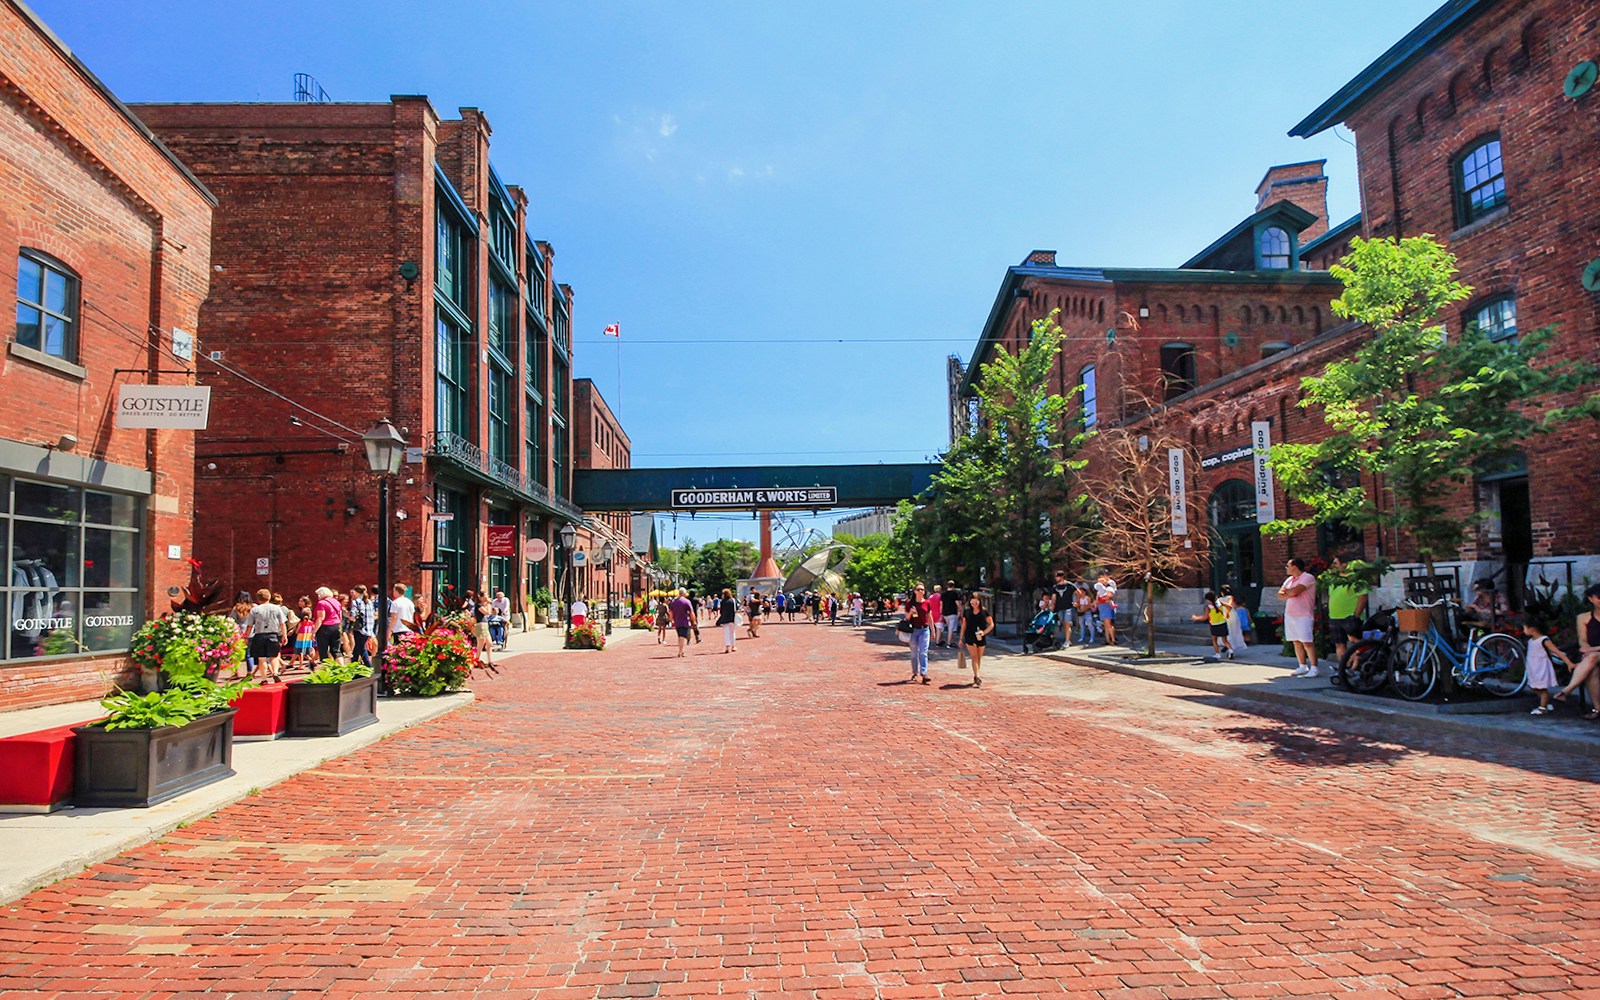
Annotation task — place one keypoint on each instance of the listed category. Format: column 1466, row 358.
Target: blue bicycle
column 1492, row 662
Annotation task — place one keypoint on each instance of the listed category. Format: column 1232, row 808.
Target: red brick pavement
column 796, row 820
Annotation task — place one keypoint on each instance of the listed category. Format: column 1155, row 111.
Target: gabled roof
column 1332, row 235
column 1437, row 28
column 1228, row 245
column 642, row 535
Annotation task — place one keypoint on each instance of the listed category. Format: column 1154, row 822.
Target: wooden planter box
column 332, row 709
column 140, row 767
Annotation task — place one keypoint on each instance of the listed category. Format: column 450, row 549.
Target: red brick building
column 1479, row 128
column 105, row 240
column 1473, row 128
column 599, row 442
column 372, row 264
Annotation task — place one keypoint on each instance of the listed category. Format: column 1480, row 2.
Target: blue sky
column 760, row 194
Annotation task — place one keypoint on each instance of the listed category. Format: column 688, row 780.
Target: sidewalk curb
column 1456, row 724
column 138, row 827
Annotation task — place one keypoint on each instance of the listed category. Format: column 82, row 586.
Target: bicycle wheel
column 1366, row 665
column 1414, row 669
column 1497, row 665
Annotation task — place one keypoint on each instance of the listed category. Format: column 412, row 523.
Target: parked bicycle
column 1492, row 662
column 1368, row 661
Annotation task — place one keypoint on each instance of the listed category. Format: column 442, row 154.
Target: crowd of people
column 332, row 626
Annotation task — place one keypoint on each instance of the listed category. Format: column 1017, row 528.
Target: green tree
column 723, row 563
column 877, row 565
column 991, row 501
column 1423, row 410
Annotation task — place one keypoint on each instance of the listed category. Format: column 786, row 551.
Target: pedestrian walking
column 663, row 619
column 499, row 618
column 753, row 614
column 326, row 619
column 481, row 639
column 362, row 615
column 727, row 617
column 1235, row 625
column 1105, row 598
column 402, row 613
column 1541, row 673
column 917, row 613
column 858, row 610
column 267, row 626
column 682, row 611
column 976, row 624
column 1299, row 595
column 1215, row 614
column 305, row 636
column 578, row 613
column 1062, row 593
column 950, row 613
column 1083, row 610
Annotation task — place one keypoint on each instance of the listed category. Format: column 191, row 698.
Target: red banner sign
column 502, row 540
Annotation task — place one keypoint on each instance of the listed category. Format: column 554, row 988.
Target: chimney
column 1046, row 257
column 1305, row 185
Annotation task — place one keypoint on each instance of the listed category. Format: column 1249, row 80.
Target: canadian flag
column 614, row 330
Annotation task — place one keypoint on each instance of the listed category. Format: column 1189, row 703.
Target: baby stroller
column 1040, row 635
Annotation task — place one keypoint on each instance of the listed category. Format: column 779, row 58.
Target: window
column 452, row 271
column 450, row 542
column 503, row 236
column 1480, row 181
column 1497, row 318
column 538, row 284
column 563, row 325
column 535, row 343
column 71, row 570
column 1087, row 402
column 1276, row 251
column 502, row 318
column 47, row 306
column 559, row 448
column 451, row 377
column 560, row 384
column 499, row 414
column 1177, row 369
column 534, row 415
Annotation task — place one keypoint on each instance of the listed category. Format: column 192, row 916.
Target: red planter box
column 36, row 770
column 263, row 713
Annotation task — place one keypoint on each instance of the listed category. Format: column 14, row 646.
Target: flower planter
column 332, row 709
column 140, row 767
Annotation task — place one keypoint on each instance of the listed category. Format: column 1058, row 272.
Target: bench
column 263, row 713
column 36, row 770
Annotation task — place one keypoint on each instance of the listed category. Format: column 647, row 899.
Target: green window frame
column 452, row 260
column 452, row 377
column 1276, row 249
column 1497, row 318
column 534, row 445
column 502, row 318
column 499, row 413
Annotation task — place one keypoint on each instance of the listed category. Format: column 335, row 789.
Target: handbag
column 905, row 626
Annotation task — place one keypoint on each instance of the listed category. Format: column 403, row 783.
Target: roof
column 1437, row 28
column 114, row 101
column 1333, row 234
column 642, row 535
column 1287, row 212
column 1019, row 273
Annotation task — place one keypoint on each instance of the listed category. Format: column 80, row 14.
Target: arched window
column 1497, row 318
column 1177, row 369
column 47, row 306
column 1086, row 401
column 1275, row 249
column 1480, row 180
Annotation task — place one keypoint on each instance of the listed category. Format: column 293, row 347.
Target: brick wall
column 81, row 181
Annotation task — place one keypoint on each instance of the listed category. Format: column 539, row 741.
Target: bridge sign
column 763, row 499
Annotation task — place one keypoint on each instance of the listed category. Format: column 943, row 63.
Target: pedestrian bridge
column 751, row 487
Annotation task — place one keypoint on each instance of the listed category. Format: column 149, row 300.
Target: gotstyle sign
column 801, row 496
column 176, row 407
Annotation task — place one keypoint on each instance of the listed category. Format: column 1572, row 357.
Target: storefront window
column 52, row 555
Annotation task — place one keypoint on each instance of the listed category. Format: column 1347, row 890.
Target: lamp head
column 385, row 448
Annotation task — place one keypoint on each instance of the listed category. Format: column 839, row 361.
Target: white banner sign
column 1176, row 491
column 180, row 407
column 1261, row 444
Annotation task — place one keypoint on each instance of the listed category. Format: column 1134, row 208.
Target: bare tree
column 1128, row 482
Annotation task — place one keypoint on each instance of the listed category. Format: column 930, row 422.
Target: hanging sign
column 177, row 407
column 1224, row 457
column 535, row 549
column 580, row 557
column 1177, row 494
column 502, row 540
column 801, row 496
column 442, row 518
column 1261, row 443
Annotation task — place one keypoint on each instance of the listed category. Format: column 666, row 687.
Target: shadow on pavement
column 1318, row 747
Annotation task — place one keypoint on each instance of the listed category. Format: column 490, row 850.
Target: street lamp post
column 607, row 552
column 385, row 450
column 569, row 539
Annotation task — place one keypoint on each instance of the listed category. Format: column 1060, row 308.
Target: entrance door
column 1516, row 537
column 1236, row 541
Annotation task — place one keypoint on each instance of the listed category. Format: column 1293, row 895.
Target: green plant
column 542, row 597
column 61, row 641
column 1553, row 606
column 338, row 673
column 586, row 636
column 185, row 700
column 187, row 644
column 430, row 664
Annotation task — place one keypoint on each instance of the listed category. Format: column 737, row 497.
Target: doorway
column 1236, row 541
column 1516, row 537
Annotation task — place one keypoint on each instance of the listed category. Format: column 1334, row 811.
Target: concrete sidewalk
column 1262, row 674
